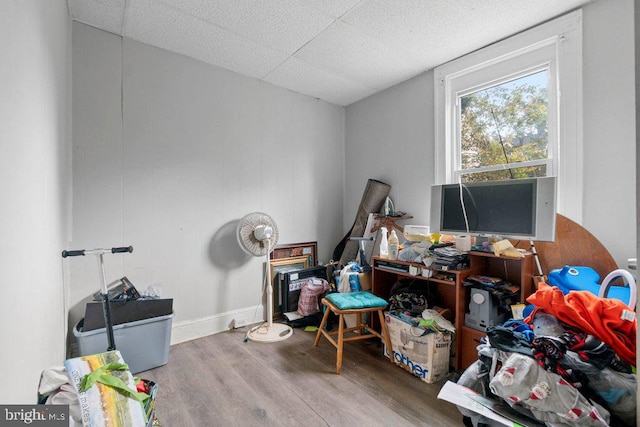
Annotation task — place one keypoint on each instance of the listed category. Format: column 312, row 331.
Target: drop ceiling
column 340, row 51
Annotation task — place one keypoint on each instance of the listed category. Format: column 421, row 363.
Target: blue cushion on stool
column 355, row 300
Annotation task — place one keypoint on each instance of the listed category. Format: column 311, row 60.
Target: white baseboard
column 197, row 328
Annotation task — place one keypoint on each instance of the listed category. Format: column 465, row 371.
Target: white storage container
column 144, row 344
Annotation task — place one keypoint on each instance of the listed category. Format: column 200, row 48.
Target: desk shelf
column 400, row 274
column 450, row 292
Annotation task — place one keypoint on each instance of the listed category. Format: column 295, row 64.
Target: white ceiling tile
column 437, row 31
column 343, row 50
column 284, row 25
column 307, row 79
column 404, row 23
column 153, row 23
column 335, row 8
column 104, row 14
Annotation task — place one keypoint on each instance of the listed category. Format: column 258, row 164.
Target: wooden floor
column 222, row 380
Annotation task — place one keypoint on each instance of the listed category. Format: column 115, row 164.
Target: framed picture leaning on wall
column 283, row 265
column 308, row 249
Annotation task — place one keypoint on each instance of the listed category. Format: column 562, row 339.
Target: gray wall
column 193, row 149
column 35, row 135
column 390, row 135
column 390, row 138
column 609, row 127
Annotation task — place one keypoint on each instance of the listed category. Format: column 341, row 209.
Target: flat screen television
column 515, row 209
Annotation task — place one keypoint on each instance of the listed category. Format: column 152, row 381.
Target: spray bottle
column 393, row 245
column 384, row 245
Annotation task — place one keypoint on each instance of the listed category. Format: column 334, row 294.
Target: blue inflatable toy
column 587, row 279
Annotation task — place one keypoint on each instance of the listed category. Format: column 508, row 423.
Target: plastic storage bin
column 144, row 344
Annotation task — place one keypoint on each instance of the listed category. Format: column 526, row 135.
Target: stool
column 353, row 303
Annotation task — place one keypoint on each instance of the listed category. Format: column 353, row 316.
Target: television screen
column 518, row 209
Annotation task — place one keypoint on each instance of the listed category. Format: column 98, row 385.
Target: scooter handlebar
column 97, row 251
column 72, row 253
column 122, row 249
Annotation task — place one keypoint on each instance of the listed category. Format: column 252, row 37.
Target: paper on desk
column 293, row 315
column 505, row 248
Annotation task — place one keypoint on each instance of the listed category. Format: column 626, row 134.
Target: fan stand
column 269, row 331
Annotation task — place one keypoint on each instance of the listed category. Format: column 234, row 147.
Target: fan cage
column 246, row 236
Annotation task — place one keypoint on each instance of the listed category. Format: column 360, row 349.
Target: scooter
column 106, row 308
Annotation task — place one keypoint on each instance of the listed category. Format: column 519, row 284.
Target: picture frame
column 281, row 265
column 308, row 249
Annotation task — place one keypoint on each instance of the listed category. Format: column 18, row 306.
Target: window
column 504, row 131
column 499, row 113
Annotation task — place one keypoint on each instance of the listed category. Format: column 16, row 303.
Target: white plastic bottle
column 393, row 245
column 384, row 245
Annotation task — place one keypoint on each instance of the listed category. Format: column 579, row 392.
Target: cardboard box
column 365, row 281
column 424, row 354
column 126, row 311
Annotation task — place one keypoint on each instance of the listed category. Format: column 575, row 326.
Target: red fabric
column 600, row 317
column 311, row 289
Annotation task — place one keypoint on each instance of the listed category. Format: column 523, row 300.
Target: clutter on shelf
column 393, row 243
column 505, row 248
column 446, row 256
column 416, row 233
column 415, row 252
column 490, row 301
column 384, row 243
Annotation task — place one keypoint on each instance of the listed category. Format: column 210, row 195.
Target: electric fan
column 257, row 235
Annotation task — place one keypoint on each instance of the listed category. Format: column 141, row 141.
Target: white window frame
column 557, row 45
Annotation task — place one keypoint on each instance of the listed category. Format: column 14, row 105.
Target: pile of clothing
column 409, row 297
column 442, row 256
column 408, row 301
column 569, row 362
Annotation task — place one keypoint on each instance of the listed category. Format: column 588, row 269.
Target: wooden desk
column 449, row 292
column 574, row 245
